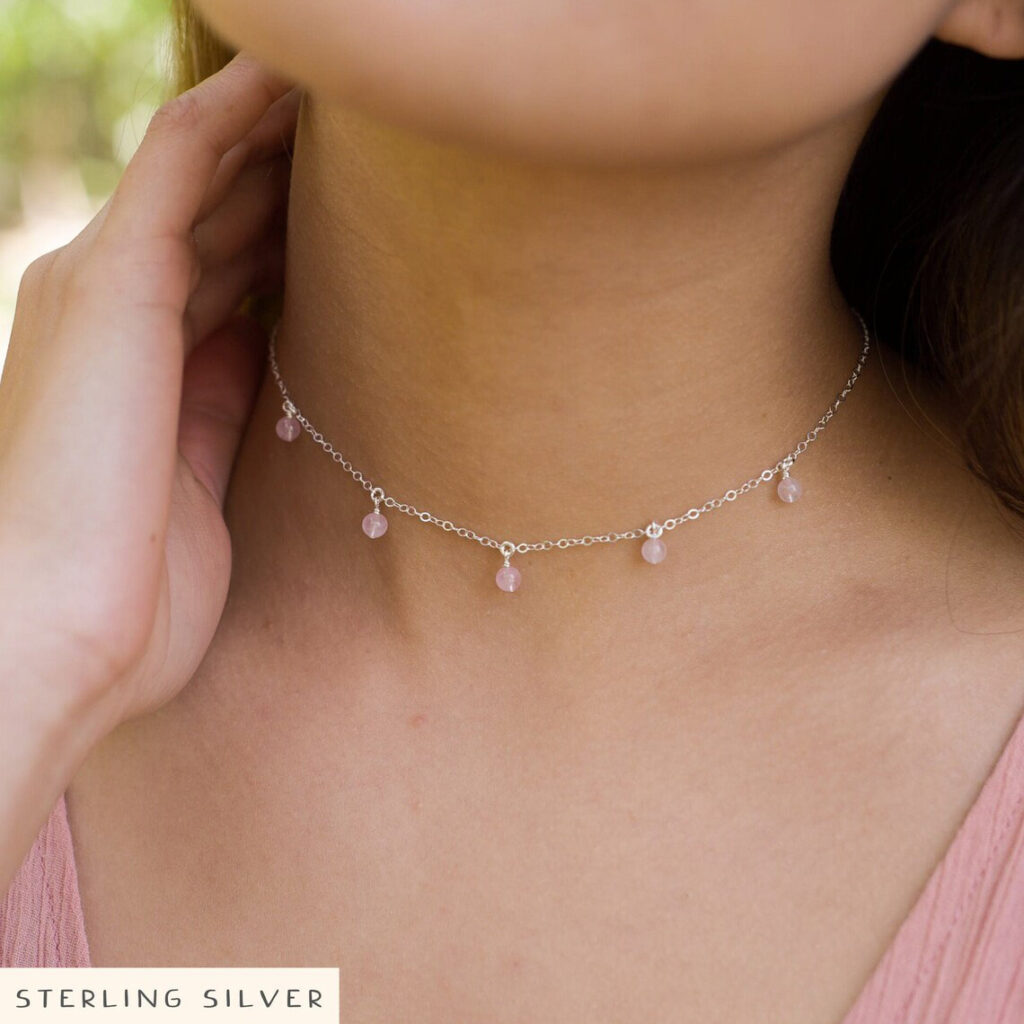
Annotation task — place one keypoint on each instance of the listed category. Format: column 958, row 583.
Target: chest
column 651, row 861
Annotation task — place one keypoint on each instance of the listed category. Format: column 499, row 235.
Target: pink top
column 958, row 957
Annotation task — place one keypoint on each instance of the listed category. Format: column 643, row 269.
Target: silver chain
column 508, row 547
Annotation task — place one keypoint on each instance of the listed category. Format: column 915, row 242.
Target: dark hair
column 928, row 243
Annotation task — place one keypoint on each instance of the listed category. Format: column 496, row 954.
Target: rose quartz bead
column 375, row 524
column 789, row 489
column 508, row 578
column 654, row 550
column 288, row 428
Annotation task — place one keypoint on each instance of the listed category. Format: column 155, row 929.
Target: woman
column 551, row 274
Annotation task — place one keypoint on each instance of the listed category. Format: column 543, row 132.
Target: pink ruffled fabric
column 41, row 917
column 958, row 958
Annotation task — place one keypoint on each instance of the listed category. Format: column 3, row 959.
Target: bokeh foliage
column 78, row 81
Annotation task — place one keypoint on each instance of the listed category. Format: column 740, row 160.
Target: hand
column 129, row 380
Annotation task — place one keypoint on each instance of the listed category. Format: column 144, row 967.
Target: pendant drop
column 508, row 577
column 288, row 427
column 375, row 523
column 789, row 490
column 654, row 549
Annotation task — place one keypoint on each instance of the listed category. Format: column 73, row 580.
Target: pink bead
column 508, row 578
column 654, row 550
column 789, row 489
column 375, row 524
column 288, row 428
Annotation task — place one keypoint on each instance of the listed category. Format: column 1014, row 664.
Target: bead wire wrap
column 507, row 548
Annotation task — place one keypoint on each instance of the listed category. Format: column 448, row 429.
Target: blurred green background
column 79, row 80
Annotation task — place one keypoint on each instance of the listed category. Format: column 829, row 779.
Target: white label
column 137, row 995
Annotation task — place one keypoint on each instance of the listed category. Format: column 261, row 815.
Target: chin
column 609, row 83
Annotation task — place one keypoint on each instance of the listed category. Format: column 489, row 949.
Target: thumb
column 219, row 384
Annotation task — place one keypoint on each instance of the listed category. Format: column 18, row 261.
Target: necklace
column 508, row 577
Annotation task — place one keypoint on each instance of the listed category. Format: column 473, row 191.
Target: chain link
column 522, row 547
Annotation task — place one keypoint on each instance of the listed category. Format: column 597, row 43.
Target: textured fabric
column 958, row 957
column 41, row 917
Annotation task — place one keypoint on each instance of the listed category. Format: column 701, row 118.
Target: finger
column 246, row 213
column 160, row 193
column 218, row 391
column 273, row 135
column 222, row 289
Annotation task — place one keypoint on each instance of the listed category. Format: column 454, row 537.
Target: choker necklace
column 508, row 577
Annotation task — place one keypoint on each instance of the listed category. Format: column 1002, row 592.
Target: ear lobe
column 994, row 28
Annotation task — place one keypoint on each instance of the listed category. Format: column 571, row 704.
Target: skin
column 610, row 81
column 542, row 283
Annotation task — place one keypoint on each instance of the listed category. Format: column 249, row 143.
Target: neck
column 538, row 351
